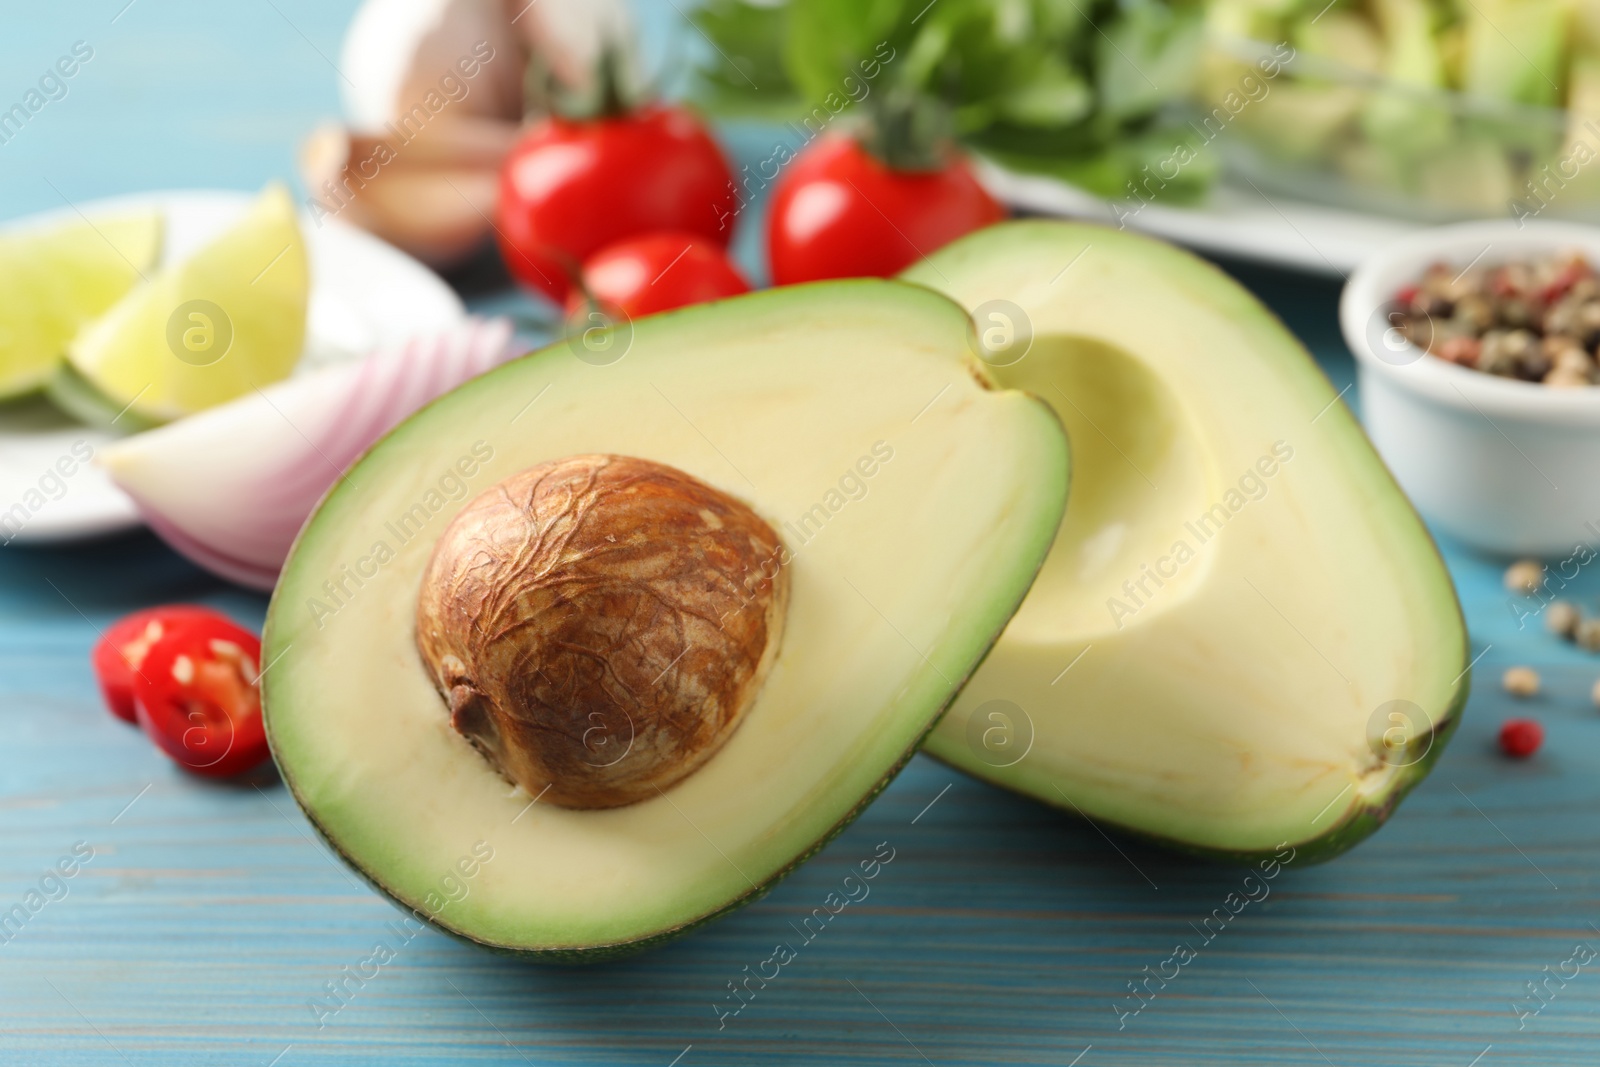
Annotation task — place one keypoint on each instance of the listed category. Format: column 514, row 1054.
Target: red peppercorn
column 1462, row 351
column 1563, row 281
column 1521, row 738
column 1502, row 284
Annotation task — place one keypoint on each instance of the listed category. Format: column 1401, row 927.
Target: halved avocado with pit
column 594, row 649
column 1244, row 636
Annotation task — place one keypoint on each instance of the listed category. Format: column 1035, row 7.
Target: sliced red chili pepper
column 118, row 654
column 197, row 697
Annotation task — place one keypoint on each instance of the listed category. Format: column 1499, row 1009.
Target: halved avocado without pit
column 1243, row 636
column 549, row 518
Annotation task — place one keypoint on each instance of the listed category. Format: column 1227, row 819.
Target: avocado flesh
column 1525, row 62
column 1230, row 711
column 895, row 596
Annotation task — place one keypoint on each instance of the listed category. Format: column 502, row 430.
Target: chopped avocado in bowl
column 1426, row 109
column 1243, row 636
column 810, row 509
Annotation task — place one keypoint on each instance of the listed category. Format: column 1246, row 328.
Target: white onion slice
column 231, row 486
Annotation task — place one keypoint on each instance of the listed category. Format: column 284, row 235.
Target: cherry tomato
column 1521, row 738
column 118, row 654
column 657, row 272
column 570, row 188
column 197, row 697
column 839, row 212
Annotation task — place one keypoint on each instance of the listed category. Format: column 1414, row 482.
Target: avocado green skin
column 1338, row 840
column 1362, row 822
column 621, row 949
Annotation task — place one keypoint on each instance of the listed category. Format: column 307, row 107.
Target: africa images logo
column 1250, row 486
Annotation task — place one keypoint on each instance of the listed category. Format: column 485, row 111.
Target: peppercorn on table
column 149, row 917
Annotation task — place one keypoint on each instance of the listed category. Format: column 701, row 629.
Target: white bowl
column 1503, row 465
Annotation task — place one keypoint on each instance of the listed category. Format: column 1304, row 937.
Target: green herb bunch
column 1082, row 90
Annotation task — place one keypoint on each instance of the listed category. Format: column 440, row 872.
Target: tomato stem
column 607, row 95
column 908, row 131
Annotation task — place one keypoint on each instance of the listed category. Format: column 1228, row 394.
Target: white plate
column 1234, row 220
column 364, row 293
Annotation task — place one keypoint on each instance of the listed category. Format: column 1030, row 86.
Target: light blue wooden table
column 209, row 917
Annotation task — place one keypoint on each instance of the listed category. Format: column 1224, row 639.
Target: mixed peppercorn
column 1521, row 738
column 1535, row 321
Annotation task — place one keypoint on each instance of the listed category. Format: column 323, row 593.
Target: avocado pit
column 597, row 625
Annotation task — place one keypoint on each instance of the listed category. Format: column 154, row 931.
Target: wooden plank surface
column 208, row 918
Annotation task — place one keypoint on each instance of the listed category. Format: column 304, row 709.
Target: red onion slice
column 230, row 487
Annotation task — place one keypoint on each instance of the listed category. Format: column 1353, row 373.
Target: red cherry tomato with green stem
column 657, row 272
column 840, row 212
column 198, row 698
column 569, row 188
column 120, row 652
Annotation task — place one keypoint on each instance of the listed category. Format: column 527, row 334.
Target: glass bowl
column 1315, row 129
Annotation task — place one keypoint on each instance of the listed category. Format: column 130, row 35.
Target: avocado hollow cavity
column 1243, row 636
column 598, row 624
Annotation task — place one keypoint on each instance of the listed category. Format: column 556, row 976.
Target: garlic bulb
column 397, row 51
column 432, row 196
column 434, row 98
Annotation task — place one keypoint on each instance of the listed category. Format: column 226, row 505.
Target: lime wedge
column 56, row 279
column 225, row 321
